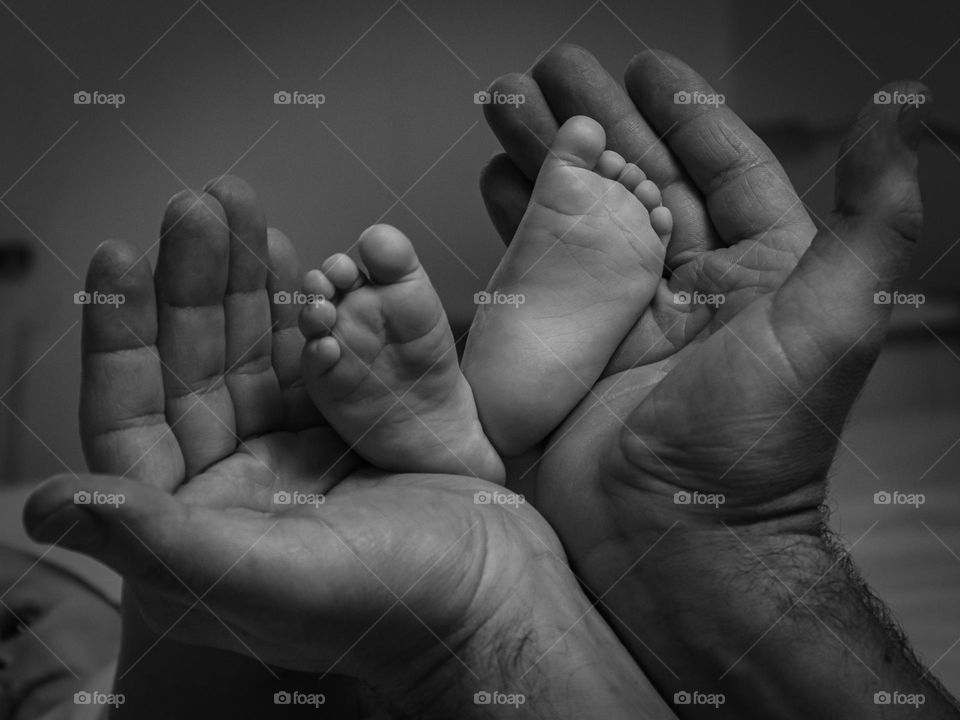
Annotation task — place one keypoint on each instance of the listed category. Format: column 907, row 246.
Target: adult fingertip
column 231, row 186
column 46, row 498
column 652, row 63
column 114, row 253
column 511, row 83
column 564, row 65
column 513, row 86
column 564, row 53
column 901, row 106
column 912, row 118
column 55, row 514
column 194, row 212
column 648, row 55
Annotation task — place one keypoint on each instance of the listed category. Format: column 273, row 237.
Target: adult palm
column 715, row 418
column 194, row 413
column 738, row 396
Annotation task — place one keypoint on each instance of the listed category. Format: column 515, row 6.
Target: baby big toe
column 387, row 254
column 580, row 141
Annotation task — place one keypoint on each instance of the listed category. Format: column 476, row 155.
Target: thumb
column 835, row 296
column 142, row 532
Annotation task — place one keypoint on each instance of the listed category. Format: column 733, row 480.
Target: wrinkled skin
column 746, row 399
column 192, row 393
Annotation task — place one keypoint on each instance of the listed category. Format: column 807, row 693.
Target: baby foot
column 381, row 365
column 585, row 261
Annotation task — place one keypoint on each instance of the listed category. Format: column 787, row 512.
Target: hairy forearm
column 549, row 654
column 767, row 624
column 552, row 656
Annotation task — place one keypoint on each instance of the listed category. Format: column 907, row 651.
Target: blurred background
column 400, row 140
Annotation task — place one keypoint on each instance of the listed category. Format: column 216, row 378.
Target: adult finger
column 570, row 81
column 506, row 194
column 835, row 305
column 191, row 281
column 746, row 191
column 525, row 130
column 174, row 552
column 122, row 423
column 171, row 550
column 283, row 280
column 575, row 83
column 249, row 374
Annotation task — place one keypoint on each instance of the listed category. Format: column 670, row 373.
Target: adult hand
column 404, row 581
column 744, row 400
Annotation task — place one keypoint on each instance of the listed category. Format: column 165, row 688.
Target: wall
column 200, row 102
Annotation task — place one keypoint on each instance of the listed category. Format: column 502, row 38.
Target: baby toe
column 610, row 164
column 317, row 318
column 316, row 283
column 343, row 272
column 631, row 176
column 649, row 194
column 661, row 220
column 320, row 355
column 387, row 254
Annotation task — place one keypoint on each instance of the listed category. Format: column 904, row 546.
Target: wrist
column 547, row 653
